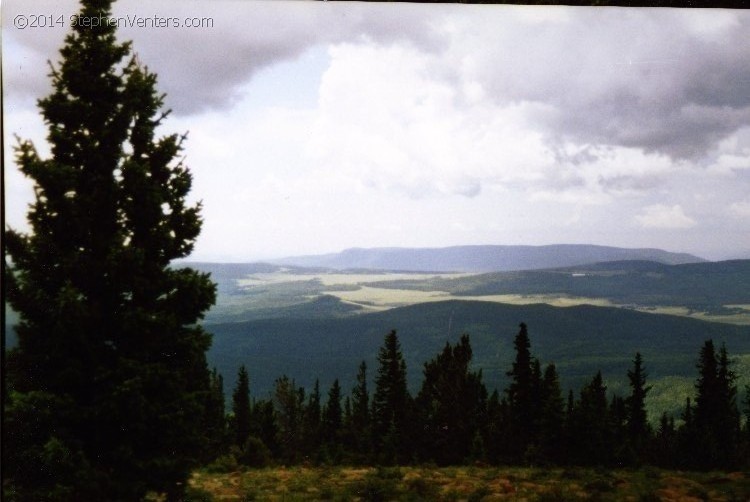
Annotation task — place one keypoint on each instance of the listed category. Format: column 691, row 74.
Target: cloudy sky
column 314, row 127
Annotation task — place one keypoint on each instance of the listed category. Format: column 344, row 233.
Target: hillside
column 298, row 320
column 483, row 258
column 718, row 291
column 708, row 286
column 580, row 340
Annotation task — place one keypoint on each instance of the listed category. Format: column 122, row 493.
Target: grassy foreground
column 466, row 484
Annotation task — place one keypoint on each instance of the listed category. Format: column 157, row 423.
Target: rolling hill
column 707, row 286
column 580, row 340
column 483, row 258
column 285, row 320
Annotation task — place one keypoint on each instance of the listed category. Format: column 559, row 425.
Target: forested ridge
column 580, row 340
column 455, row 419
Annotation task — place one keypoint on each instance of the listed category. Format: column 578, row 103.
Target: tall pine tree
column 522, row 395
column 215, row 426
column 390, row 402
column 355, row 428
column 312, row 424
column 360, row 420
column 451, row 405
column 108, row 345
column 638, row 428
column 332, row 413
column 745, row 444
column 331, row 423
column 716, row 414
column 241, row 409
column 591, row 432
column 289, row 407
column 551, row 439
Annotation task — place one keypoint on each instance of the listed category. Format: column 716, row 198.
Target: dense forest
column 454, row 419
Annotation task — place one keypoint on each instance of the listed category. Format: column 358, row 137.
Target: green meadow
column 255, row 294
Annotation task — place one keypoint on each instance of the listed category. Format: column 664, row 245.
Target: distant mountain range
column 483, row 258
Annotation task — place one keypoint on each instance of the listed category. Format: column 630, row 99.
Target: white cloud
column 386, row 120
column 740, row 209
column 363, row 124
column 728, row 164
column 661, row 216
column 712, row 24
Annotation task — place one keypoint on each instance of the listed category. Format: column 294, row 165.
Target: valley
column 318, row 323
column 622, row 285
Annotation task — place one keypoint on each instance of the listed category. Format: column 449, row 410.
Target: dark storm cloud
column 204, row 68
column 651, row 79
column 703, row 98
column 663, row 80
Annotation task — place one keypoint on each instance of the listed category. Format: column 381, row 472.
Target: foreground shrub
column 379, row 485
column 255, row 453
column 223, row 464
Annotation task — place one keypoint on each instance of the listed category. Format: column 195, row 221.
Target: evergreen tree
column 332, row 413
column 569, row 427
column 687, row 415
column 108, row 340
column 355, row 429
column 729, row 427
column 253, row 425
column 637, row 421
column 289, row 408
column 332, row 423
column 451, row 405
column 494, row 437
column 312, row 423
column 523, row 395
column 707, row 386
column 216, row 425
column 360, row 423
column 665, row 442
column 241, row 408
column 263, row 425
column 623, row 451
column 687, row 448
column 390, row 402
column 537, row 385
column 361, row 398
column 591, row 425
column 552, row 417
column 745, row 449
column 569, row 406
column 346, row 420
column 716, row 416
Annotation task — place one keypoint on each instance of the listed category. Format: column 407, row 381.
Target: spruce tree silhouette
column 108, row 383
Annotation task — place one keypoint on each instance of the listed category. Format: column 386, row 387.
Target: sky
column 314, row 127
